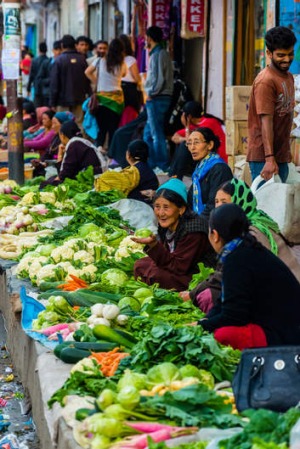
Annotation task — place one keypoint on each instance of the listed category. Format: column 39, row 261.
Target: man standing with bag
column 159, row 89
column 271, row 108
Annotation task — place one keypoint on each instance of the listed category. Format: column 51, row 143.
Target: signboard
column 159, row 15
column 193, row 22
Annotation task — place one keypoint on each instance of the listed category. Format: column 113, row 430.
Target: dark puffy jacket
column 68, row 83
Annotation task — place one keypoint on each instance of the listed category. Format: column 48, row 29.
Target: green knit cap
column 244, row 197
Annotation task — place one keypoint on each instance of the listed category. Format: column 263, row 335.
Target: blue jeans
column 154, row 134
column 256, row 168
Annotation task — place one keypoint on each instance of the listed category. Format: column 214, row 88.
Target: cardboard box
column 237, row 102
column 295, row 150
column 236, row 137
column 240, row 168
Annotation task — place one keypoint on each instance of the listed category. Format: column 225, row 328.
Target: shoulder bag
column 268, row 378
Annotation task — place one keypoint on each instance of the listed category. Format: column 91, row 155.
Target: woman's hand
column 61, row 152
column 150, row 241
column 177, row 139
column 185, row 296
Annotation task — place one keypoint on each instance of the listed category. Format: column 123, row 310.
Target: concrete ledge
column 40, row 371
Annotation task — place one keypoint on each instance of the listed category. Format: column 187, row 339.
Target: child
column 135, row 178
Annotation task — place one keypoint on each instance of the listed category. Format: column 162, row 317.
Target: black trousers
column 108, row 122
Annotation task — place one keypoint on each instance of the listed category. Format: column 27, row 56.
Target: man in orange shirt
column 271, row 108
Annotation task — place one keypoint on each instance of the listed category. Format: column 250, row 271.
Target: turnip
column 110, row 311
column 97, row 309
column 122, row 320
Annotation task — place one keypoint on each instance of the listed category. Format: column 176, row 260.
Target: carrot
column 109, row 361
column 78, row 280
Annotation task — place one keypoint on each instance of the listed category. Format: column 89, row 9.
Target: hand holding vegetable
column 150, row 240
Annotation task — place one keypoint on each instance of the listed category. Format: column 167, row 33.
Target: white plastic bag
column 138, row 214
column 282, row 202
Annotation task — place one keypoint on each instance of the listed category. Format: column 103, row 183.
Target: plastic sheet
column 138, row 214
column 30, row 310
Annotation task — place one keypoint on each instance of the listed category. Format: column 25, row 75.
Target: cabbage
column 143, row 232
column 114, row 276
column 45, row 250
column 86, row 229
column 97, row 236
column 132, row 378
column 164, row 373
column 206, row 378
column 143, row 293
column 129, row 397
column 128, row 301
column 189, row 371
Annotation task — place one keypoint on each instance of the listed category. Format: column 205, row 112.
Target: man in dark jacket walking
column 43, row 76
column 38, row 98
column 69, row 86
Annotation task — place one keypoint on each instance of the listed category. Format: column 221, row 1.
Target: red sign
column 195, row 16
column 160, row 15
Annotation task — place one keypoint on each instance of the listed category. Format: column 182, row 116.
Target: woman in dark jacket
column 211, row 171
column 75, row 154
column 181, row 242
column 260, row 296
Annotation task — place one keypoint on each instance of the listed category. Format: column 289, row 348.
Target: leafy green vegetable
column 114, row 277
column 203, row 274
column 195, row 405
column 264, row 427
column 191, row 445
column 129, row 377
column 182, row 345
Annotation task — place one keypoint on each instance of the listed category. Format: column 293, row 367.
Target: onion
column 7, row 189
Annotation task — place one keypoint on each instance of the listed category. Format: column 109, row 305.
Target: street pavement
column 15, row 416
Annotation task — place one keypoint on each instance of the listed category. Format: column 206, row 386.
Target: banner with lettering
column 193, row 18
column 159, row 15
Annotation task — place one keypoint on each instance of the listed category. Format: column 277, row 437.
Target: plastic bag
column 138, row 214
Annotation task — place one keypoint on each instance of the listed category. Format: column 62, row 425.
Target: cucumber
column 86, row 298
column 73, row 355
column 45, row 286
column 91, row 346
column 103, row 332
column 126, row 335
column 48, row 293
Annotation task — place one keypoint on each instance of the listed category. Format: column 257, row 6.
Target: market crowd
column 88, row 105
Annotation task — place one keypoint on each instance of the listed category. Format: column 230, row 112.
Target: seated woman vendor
column 134, row 179
column 181, row 243
column 264, row 229
column 74, row 155
column 260, row 296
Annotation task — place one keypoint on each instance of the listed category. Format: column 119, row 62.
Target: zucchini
column 103, row 332
column 73, row 355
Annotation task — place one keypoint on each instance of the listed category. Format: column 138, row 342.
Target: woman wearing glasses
column 210, row 172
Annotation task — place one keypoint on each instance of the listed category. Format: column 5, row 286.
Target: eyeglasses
column 190, row 143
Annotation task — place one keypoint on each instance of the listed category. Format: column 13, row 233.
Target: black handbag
column 268, row 378
column 93, row 104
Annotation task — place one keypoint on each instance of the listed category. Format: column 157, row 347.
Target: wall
column 215, row 84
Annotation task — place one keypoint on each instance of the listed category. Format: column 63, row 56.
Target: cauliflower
column 46, row 273
column 91, row 247
column 88, row 273
column 75, row 244
column 83, row 256
column 28, row 198
column 48, row 197
column 68, row 205
column 23, row 267
column 36, row 265
column 62, row 253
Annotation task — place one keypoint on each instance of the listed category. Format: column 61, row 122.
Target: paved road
column 17, row 409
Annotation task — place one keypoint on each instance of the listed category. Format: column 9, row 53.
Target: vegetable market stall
column 131, row 355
